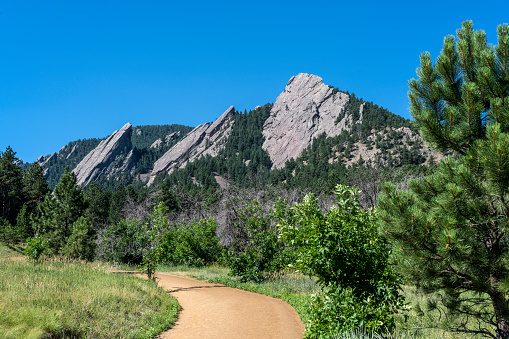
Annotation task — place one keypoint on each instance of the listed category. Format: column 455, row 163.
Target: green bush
column 124, row 242
column 257, row 250
column 153, row 230
column 193, row 244
column 343, row 250
column 35, row 248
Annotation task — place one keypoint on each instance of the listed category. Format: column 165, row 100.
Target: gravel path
column 216, row 311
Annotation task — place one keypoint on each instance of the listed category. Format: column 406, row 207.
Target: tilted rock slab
column 206, row 139
column 306, row 108
column 112, row 155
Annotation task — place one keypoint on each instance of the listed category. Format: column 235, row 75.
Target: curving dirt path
column 216, row 311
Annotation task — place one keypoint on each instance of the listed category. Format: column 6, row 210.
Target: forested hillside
column 142, row 139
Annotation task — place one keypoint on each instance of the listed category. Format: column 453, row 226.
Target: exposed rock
column 206, row 139
column 108, row 157
column 73, row 149
column 42, row 160
column 167, row 139
column 221, row 181
column 306, row 108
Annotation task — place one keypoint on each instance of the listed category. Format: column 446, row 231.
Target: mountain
column 311, row 128
column 206, row 139
column 108, row 158
column 102, row 159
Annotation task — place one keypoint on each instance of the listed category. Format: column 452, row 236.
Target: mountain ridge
column 305, row 110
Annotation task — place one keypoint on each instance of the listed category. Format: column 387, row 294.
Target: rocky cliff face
column 204, row 139
column 112, row 155
column 306, row 108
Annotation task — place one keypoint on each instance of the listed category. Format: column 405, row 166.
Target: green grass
column 57, row 299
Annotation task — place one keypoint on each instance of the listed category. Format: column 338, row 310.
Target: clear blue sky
column 81, row 69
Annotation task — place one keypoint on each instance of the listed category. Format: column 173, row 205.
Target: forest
column 366, row 232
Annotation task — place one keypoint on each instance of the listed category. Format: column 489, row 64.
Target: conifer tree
column 98, row 204
column 35, row 186
column 11, row 197
column 60, row 210
column 451, row 227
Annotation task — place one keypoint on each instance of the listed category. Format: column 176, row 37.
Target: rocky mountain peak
column 108, row 157
column 304, row 110
column 204, row 139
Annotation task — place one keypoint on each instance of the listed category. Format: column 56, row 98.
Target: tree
column 11, row 196
column 81, row 244
column 343, row 250
column 451, row 227
column 34, row 186
column 98, row 203
column 60, row 210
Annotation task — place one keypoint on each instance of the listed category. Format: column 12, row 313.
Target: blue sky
column 73, row 69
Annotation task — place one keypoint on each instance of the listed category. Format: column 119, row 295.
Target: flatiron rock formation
column 112, row 155
column 204, row 139
column 306, row 108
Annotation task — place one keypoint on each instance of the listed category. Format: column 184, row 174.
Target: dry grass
column 75, row 299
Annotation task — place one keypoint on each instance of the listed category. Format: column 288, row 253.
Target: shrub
column 343, row 250
column 35, row 248
column 257, row 249
column 194, row 244
column 124, row 242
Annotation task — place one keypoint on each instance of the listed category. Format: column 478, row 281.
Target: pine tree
column 98, row 205
column 81, row 244
column 60, row 210
column 35, row 186
column 451, row 227
column 11, row 196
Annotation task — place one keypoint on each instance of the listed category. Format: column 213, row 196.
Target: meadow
column 60, row 299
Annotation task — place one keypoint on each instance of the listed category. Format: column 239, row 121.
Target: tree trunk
column 501, row 311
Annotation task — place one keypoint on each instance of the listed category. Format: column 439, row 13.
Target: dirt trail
column 216, row 311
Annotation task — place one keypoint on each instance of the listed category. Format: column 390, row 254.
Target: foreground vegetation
column 60, row 298
column 439, row 241
column 419, row 320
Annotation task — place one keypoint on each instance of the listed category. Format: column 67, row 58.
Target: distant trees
column 451, row 227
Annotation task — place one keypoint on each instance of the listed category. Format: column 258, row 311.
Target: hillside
column 147, row 144
column 312, row 131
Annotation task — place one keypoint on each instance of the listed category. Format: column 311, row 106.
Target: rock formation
column 306, row 108
column 112, row 155
column 167, row 139
column 206, row 139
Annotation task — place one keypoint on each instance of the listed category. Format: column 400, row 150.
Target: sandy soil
column 216, row 311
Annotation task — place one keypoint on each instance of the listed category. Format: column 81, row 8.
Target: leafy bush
column 124, row 242
column 194, row 244
column 35, row 248
column 343, row 250
column 257, row 249
column 153, row 230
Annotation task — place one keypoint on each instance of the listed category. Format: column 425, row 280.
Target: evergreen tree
column 98, row 203
column 60, row 210
column 11, row 195
column 34, row 186
column 117, row 201
column 451, row 227
column 24, row 227
column 81, row 244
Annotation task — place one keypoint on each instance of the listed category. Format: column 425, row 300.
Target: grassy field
column 62, row 299
column 296, row 289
